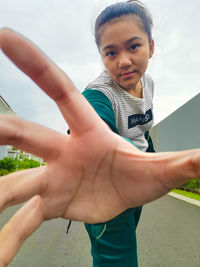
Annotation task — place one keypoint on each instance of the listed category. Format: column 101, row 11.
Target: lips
column 128, row 74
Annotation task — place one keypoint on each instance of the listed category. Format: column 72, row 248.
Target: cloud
column 176, row 62
column 63, row 29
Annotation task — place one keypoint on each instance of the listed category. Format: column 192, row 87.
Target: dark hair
column 132, row 7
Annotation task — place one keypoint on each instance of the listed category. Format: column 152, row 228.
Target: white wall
column 4, row 109
column 180, row 130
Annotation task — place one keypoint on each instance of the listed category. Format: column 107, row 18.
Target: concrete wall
column 3, row 152
column 180, row 130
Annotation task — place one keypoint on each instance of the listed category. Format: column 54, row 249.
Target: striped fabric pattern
column 134, row 116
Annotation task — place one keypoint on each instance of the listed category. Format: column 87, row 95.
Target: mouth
column 128, row 74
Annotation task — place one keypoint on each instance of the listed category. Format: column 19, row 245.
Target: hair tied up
column 119, row 9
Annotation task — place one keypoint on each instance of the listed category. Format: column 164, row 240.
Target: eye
column 134, row 47
column 111, row 54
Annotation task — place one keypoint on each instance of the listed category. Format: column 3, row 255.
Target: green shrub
column 4, row 172
column 9, row 164
column 192, row 185
column 27, row 164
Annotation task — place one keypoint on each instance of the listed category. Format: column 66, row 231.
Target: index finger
column 50, row 79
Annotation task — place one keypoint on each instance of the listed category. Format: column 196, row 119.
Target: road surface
column 168, row 236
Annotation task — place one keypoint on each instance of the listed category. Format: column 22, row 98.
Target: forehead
column 121, row 29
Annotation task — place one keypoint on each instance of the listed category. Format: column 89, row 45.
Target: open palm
column 91, row 175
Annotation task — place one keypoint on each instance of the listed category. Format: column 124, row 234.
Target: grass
column 187, row 194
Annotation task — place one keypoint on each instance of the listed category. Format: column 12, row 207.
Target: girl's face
column 125, row 51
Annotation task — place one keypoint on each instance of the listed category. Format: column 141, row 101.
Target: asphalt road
column 168, row 236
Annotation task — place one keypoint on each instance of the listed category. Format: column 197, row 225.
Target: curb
column 187, row 199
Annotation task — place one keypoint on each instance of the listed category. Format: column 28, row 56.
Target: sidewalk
column 187, row 199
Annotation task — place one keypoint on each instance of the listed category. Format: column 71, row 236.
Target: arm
column 102, row 106
column 93, row 165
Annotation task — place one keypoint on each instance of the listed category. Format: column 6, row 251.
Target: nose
column 125, row 61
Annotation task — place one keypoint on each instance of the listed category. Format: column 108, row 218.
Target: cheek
column 143, row 60
column 109, row 66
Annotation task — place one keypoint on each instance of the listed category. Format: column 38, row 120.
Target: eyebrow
column 133, row 39
column 127, row 42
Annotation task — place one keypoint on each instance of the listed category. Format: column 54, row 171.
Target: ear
column 151, row 49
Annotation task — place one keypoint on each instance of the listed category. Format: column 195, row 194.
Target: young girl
column 122, row 96
column 98, row 174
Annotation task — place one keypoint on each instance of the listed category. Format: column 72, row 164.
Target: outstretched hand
column 91, row 175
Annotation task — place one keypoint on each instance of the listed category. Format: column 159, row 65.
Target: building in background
column 10, row 151
column 5, row 108
column 180, row 130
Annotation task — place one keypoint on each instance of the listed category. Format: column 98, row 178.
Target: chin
column 128, row 87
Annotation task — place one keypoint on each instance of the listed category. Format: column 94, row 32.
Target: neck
column 137, row 91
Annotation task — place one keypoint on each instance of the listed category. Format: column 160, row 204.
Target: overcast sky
column 64, row 30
